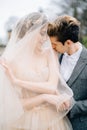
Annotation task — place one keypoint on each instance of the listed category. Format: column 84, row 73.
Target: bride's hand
column 51, row 99
column 7, row 68
column 64, row 106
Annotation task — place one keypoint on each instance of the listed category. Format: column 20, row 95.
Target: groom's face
column 57, row 45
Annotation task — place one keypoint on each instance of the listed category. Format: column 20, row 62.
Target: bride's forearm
column 45, row 87
column 37, row 87
column 29, row 103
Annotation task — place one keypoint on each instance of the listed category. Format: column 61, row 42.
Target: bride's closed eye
column 43, row 33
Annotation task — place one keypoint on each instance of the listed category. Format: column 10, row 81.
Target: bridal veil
column 18, row 52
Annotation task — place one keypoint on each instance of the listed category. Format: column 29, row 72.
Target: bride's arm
column 38, row 87
column 29, row 103
column 41, row 87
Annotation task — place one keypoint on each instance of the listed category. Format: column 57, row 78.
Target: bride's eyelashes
column 43, row 33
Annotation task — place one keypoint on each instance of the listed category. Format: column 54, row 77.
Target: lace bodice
column 31, row 76
column 39, row 76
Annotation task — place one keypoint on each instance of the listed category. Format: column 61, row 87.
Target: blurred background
column 12, row 10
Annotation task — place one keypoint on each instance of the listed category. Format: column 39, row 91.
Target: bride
column 32, row 92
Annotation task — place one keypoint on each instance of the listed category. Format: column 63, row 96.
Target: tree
column 10, row 24
column 76, row 8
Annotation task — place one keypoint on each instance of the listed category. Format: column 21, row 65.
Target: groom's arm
column 80, row 108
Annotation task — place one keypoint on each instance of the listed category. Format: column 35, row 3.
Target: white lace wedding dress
column 43, row 117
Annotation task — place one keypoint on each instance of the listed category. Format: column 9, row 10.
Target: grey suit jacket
column 78, row 83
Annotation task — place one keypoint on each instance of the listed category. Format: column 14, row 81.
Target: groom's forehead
column 53, row 38
column 55, row 41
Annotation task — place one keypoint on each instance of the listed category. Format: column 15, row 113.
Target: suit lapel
column 79, row 66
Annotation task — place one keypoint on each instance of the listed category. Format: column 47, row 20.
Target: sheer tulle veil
column 18, row 53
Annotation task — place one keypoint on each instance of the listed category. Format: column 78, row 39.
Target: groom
column 64, row 35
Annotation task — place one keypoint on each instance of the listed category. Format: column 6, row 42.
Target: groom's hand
column 65, row 106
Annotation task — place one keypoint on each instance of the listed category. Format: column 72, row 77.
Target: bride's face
column 41, row 37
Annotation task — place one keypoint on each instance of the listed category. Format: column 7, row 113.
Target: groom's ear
column 69, row 42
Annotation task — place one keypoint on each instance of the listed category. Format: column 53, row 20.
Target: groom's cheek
column 56, row 50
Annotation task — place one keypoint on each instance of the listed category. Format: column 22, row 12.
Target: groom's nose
column 53, row 46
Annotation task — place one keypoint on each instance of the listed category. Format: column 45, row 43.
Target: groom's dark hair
column 64, row 28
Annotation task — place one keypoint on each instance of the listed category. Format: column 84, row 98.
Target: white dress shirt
column 68, row 63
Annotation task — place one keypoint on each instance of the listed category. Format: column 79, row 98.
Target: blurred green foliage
column 84, row 41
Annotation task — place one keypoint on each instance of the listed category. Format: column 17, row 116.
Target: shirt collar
column 76, row 54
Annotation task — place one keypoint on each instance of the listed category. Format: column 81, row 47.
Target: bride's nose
column 44, row 38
